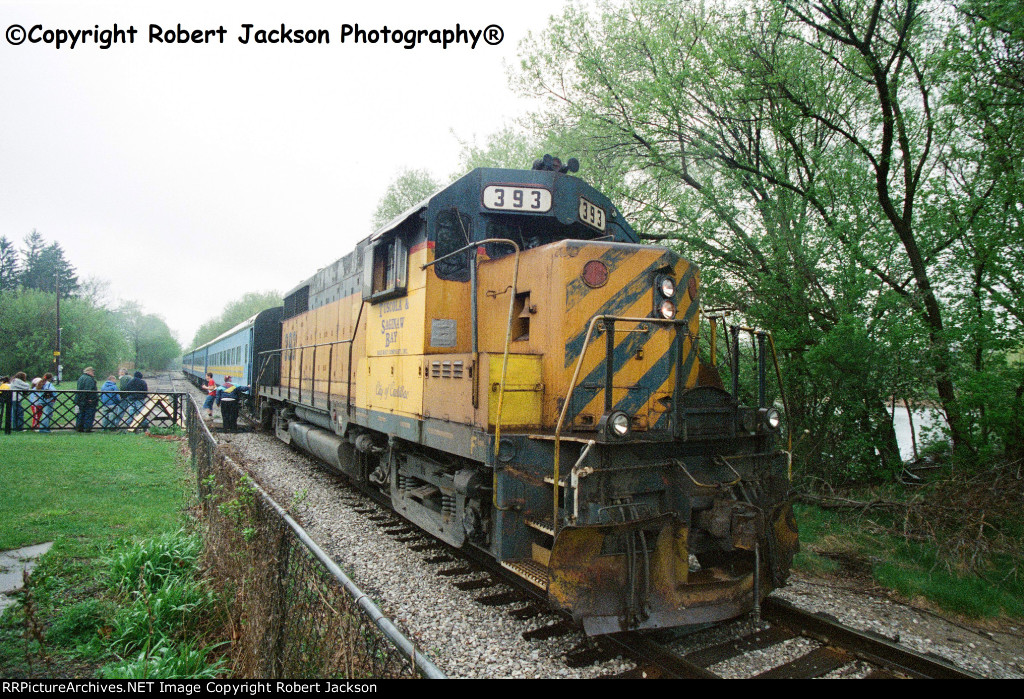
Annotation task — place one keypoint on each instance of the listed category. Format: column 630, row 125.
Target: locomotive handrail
column 330, row 362
column 610, row 322
column 476, row 350
column 282, row 350
column 760, row 336
column 785, row 404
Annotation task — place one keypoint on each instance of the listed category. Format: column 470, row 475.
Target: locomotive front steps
column 530, row 570
column 544, row 526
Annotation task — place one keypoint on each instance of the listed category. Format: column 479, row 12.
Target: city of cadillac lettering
column 392, row 390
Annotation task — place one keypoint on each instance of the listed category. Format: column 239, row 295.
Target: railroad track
column 832, row 644
column 835, row 646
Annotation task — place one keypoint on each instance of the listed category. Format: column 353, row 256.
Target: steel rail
column 655, row 661
column 872, row 649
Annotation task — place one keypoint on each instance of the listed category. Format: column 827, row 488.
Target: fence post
column 7, row 405
column 281, row 600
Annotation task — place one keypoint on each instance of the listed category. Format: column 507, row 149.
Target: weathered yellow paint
column 448, row 301
column 450, row 397
column 524, row 390
column 540, row 554
column 556, row 308
column 395, row 385
column 552, row 309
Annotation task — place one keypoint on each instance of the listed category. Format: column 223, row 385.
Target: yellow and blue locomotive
column 518, row 374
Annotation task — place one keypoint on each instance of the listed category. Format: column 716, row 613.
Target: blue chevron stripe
column 624, row 351
column 691, row 356
column 634, row 400
column 620, row 301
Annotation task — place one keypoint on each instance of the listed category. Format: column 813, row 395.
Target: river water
column 924, row 423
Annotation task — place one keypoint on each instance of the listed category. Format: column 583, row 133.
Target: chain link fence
column 294, row 612
column 46, row 411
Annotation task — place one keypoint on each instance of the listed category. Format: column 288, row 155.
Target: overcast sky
column 188, row 174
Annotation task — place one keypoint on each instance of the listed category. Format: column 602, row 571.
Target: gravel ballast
column 467, row 639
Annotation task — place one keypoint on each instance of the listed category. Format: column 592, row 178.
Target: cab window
column 452, row 231
column 389, row 269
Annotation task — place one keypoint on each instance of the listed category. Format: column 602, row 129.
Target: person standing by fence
column 35, row 400
column 111, row 403
column 19, row 390
column 137, row 401
column 86, row 400
column 123, row 379
column 5, row 403
column 47, row 397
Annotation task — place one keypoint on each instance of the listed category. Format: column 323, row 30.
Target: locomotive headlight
column 667, row 310
column 616, row 424
column 770, row 418
column 667, row 287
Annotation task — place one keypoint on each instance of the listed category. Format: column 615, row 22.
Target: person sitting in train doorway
column 228, row 397
column 211, row 393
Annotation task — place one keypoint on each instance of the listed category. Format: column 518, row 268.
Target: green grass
column 84, row 489
column 838, row 543
column 93, row 495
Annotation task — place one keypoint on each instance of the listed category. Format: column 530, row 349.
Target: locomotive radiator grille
column 447, row 369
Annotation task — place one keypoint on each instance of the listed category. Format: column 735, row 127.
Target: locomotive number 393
column 591, row 214
column 512, row 198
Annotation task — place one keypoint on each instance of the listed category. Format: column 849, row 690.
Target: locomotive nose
column 629, row 576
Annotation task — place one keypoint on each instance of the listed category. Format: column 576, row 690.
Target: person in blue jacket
column 110, row 399
column 228, row 398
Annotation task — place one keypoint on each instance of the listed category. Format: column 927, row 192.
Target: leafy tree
column 156, row 347
column 151, row 345
column 408, row 188
column 811, row 157
column 91, row 336
column 983, row 181
column 234, row 313
column 506, row 148
column 96, row 290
